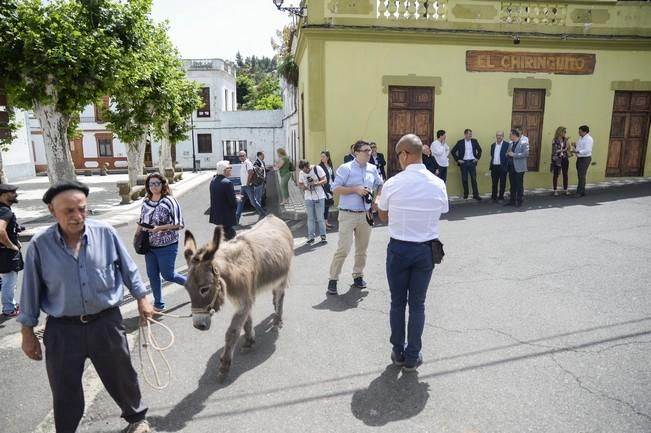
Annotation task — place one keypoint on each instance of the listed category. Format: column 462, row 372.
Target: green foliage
column 257, row 83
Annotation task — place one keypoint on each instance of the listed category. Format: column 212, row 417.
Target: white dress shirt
column 584, row 146
column 469, row 155
column 496, row 154
column 415, row 200
column 441, row 152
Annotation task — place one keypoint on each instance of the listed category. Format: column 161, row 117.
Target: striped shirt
column 157, row 213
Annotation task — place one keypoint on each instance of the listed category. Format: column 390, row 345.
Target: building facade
column 378, row 69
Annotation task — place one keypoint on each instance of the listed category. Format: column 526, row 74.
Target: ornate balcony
column 631, row 19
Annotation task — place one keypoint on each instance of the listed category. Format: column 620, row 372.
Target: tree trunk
column 136, row 158
column 3, row 178
column 165, row 160
column 55, row 139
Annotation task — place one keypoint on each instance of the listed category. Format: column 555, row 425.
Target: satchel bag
column 437, row 252
column 10, row 260
column 141, row 242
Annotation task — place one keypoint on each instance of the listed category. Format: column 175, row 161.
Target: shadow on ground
column 390, row 397
column 243, row 361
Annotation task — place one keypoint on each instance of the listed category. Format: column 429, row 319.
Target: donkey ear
column 214, row 245
column 190, row 246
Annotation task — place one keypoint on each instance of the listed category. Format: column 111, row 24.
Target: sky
column 204, row 29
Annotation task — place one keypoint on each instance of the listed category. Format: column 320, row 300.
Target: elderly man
column 412, row 202
column 10, row 255
column 223, row 201
column 498, row 166
column 74, row 272
column 517, row 162
column 355, row 182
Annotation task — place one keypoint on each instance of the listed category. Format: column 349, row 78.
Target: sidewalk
column 295, row 208
column 103, row 200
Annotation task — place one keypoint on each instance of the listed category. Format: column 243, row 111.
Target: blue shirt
column 353, row 174
column 61, row 285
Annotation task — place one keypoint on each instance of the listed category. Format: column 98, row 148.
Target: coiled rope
column 147, row 340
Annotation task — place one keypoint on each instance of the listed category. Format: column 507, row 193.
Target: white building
column 18, row 160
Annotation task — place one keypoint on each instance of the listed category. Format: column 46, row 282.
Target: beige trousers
column 351, row 224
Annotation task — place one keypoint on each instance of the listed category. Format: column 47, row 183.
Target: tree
column 151, row 91
column 59, row 56
column 8, row 127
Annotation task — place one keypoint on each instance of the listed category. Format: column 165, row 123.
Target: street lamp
column 194, row 160
column 299, row 11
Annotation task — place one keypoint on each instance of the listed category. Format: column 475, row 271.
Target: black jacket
column 223, row 203
column 503, row 159
column 380, row 163
column 459, row 150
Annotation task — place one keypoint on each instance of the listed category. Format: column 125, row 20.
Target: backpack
column 258, row 174
column 291, row 166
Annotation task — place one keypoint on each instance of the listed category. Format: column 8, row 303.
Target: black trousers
column 498, row 176
column 517, row 186
column 469, row 168
column 68, row 344
column 565, row 164
column 582, row 164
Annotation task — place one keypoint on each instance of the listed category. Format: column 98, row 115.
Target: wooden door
column 411, row 110
column 77, row 153
column 528, row 112
column 629, row 134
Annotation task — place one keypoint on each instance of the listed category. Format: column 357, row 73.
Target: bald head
column 409, row 143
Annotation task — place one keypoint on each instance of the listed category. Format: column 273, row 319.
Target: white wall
column 18, row 162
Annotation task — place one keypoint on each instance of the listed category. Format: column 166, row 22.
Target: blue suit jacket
column 223, row 203
column 504, row 162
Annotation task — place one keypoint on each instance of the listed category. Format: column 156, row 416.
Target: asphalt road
column 539, row 320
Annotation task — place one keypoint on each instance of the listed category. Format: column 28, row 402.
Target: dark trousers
column 443, row 173
column 565, row 165
column 469, row 168
column 517, row 186
column 104, row 341
column 498, row 176
column 409, row 270
column 582, row 165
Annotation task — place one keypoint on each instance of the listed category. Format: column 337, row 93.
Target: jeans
column 469, row 168
column 443, row 173
column 258, row 192
column 250, row 194
column 565, row 164
column 409, row 270
column 314, row 210
column 8, row 287
column 160, row 262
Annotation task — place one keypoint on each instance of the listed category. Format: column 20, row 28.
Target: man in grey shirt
column 74, row 272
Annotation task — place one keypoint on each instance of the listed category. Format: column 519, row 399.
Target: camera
column 310, row 179
column 368, row 198
column 20, row 228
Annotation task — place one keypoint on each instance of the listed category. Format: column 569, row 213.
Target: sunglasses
column 155, row 183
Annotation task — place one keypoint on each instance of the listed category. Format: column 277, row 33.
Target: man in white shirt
column 498, row 166
column 583, row 157
column 246, row 180
column 441, row 150
column 412, row 202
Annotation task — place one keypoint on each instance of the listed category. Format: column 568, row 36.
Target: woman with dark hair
column 326, row 165
column 560, row 157
column 161, row 216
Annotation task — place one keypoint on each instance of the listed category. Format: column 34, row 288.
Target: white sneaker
column 138, row 427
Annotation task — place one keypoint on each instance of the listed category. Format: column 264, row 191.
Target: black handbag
column 10, row 260
column 141, row 242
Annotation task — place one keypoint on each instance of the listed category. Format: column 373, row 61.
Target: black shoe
column 501, row 198
column 332, row 288
column 359, row 283
column 397, row 358
column 510, row 203
column 476, row 197
column 465, row 197
column 412, row 366
column 310, row 241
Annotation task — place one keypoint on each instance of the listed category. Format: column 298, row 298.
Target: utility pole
column 194, row 160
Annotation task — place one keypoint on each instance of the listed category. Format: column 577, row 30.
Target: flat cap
column 61, row 186
column 5, row 187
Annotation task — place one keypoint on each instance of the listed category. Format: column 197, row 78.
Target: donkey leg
column 232, row 334
column 249, row 333
column 279, row 299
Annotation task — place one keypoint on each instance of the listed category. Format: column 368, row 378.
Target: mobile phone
column 145, row 225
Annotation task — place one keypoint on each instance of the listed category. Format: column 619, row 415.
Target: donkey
column 255, row 260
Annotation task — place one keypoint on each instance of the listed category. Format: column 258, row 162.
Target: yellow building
column 376, row 69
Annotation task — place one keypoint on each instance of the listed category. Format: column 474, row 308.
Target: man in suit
column 517, row 160
column 351, row 155
column 499, row 166
column 223, row 202
column 467, row 153
column 377, row 159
